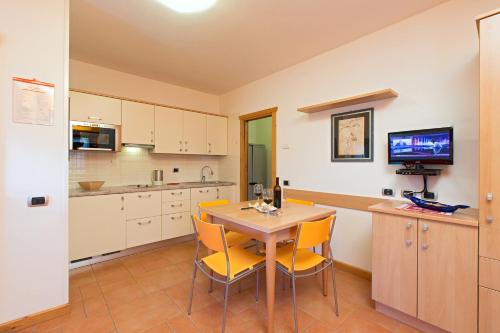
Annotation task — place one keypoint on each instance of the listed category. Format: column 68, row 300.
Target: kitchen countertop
column 79, row 192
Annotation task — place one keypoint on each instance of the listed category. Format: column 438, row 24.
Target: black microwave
column 94, row 136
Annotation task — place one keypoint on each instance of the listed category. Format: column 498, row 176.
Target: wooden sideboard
column 424, row 267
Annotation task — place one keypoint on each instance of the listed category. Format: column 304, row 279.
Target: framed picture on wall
column 352, row 136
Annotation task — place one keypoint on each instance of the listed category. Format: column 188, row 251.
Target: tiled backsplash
column 135, row 165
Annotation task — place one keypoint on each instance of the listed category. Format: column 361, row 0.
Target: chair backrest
column 300, row 202
column 214, row 203
column 310, row 234
column 210, row 234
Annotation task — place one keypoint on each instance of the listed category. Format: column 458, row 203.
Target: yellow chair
column 232, row 237
column 232, row 263
column 300, row 202
column 297, row 257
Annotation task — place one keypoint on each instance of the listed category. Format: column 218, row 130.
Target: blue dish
column 434, row 205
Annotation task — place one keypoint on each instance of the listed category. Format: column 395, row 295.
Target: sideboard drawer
column 176, row 195
column 142, row 204
column 143, row 231
column 489, row 246
column 489, row 271
column 171, row 207
column 176, row 225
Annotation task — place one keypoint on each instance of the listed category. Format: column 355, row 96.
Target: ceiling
column 233, row 43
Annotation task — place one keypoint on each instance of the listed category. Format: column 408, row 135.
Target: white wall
column 104, row 80
column 431, row 59
column 33, row 161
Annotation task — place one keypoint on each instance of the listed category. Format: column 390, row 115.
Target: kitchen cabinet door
column 94, row 109
column 168, row 130
column 216, row 135
column 394, row 262
column 96, row 225
column 447, row 275
column 202, row 194
column 138, row 120
column 195, row 133
column 225, row 193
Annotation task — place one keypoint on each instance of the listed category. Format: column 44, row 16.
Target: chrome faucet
column 203, row 169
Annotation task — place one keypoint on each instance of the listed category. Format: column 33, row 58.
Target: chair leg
column 211, row 286
column 283, row 281
column 239, row 287
column 226, row 296
column 192, row 289
column 292, row 279
column 257, row 287
column 335, row 290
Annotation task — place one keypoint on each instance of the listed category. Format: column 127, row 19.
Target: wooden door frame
column 244, row 119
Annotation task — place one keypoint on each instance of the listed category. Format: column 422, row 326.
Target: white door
column 138, row 121
column 95, row 109
column 195, row 133
column 168, row 130
column 96, row 225
column 216, row 135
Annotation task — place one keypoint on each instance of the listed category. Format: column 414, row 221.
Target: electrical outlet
column 175, row 170
column 286, row 183
column 388, row 192
column 404, row 193
column 430, row 195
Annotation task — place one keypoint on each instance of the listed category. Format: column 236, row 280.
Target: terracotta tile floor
column 148, row 292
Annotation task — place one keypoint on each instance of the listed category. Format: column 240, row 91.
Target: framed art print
column 352, row 136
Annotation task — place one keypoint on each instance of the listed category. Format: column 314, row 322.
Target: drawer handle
column 175, row 217
column 175, row 193
column 94, row 118
column 146, row 196
column 206, row 191
column 144, row 223
column 425, row 227
column 173, row 206
column 409, row 225
column 408, row 242
column 425, row 246
column 489, row 219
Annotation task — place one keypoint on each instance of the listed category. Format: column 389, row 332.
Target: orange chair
column 232, row 263
column 298, row 257
column 233, row 238
column 300, row 202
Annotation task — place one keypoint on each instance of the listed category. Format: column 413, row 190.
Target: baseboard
column 35, row 318
column 353, row 270
column 407, row 319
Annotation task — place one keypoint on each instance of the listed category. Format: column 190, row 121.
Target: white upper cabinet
column 95, row 109
column 138, row 122
column 195, row 133
column 168, row 130
column 216, row 135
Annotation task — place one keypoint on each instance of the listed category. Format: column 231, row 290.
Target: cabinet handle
column 425, row 246
column 175, row 193
column 180, row 145
column 185, row 149
column 175, row 217
column 144, row 223
column 409, row 225
column 489, row 196
column 94, row 118
column 123, row 201
column 206, row 191
column 425, row 227
column 209, row 147
column 489, row 219
column 146, row 196
column 152, row 136
column 179, row 205
column 408, row 242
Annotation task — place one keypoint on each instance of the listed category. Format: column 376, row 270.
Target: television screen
column 428, row 146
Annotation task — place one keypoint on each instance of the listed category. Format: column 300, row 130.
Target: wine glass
column 257, row 191
column 267, row 195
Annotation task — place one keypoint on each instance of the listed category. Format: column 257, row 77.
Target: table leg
column 270, row 279
column 209, row 252
column 326, row 254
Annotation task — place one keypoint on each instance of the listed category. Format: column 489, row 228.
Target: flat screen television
column 426, row 146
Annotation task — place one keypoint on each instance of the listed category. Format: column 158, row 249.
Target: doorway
column 257, row 151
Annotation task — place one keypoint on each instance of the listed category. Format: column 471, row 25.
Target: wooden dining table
column 269, row 229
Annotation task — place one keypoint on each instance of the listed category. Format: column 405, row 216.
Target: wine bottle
column 277, row 194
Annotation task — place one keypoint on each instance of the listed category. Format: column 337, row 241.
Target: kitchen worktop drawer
column 176, row 195
column 176, row 225
column 171, row 207
column 142, row 204
column 143, row 231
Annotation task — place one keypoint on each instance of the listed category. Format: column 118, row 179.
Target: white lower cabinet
column 143, row 231
column 143, row 204
column 96, row 225
column 176, row 225
column 171, row 207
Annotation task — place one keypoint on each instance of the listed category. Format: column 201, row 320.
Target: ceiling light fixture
column 188, row 6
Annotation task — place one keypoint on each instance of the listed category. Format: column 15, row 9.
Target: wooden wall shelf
column 354, row 100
